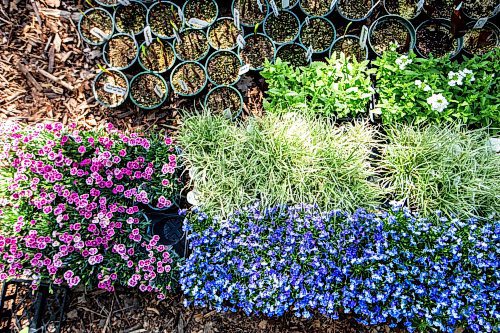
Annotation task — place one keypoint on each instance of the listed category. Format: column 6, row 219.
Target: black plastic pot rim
column 266, row 37
column 145, row 11
column 348, row 36
column 356, row 19
column 94, row 91
column 164, row 95
column 296, row 19
column 229, row 87
column 333, row 29
column 151, row 8
column 165, row 44
column 265, row 12
column 210, row 23
column 106, row 58
column 184, row 63
column 405, row 22
column 222, row 52
column 447, row 24
column 80, row 25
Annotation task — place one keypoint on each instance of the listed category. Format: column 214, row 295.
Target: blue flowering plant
column 393, row 267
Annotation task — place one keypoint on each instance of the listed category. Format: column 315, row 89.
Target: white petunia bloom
column 437, row 102
column 418, row 83
column 427, row 88
column 403, row 61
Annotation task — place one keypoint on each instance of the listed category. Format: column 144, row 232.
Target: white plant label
column 184, row 85
column 459, row 6
column 373, row 7
column 307, row 20
column 114, row 89
column 363, row 36
column 158, row 91
column 480, row 23
column 309, row 53
column 177, row 36
column 181, row 14
column 285, row 4
column 420, row 5
column 148, row 37
column 99, row 33
column 244, row 69
column 124, row 2
column 236, row 15
column 333, row 3
column 192, row 198
column 227, row 113
column 261, row 6
column 198, row 22
column 496, row 10
column 495, row 144
column 274, row 7
column 240, row 41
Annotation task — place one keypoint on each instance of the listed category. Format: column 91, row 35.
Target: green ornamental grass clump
column 419, row 90
column 286, row 158
column 442, row 168
column 339, row 87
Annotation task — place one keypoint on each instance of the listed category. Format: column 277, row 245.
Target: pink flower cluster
column 70, row 198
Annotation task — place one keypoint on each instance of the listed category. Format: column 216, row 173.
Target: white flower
column 451, row 75
column 418, row 83
column 437, row 102
column 427, row 88
column 402, row 61
column 452, row 83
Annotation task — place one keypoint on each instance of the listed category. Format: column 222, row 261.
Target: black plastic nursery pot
column 148, row 90
column 96, row 26
column 293, row 53
column 223, row 34
column 192, row 46
column 120, row 51
column 476, row 9
column 157, row 57
column 169, row 228
column 434, row 36
column 316, row 7
column 439, row 8
column 110, row 88
column 223, row 68
column 131, row 19
column 391, row 29
column 319, row 33
column 283, row 28
column 258, row 48
column 407, row 9
column 199, row 14
column 163, row 17
column 355, row 11
column 252, row 12
column 481, row 40
column 350, row 46
column 225, row 100
column 188, row 78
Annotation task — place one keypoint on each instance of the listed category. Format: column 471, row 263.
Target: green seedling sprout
column 346, row 29
column 256, row 28
column 90, row 3
column 103, row 69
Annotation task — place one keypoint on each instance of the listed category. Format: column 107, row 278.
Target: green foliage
column 442, row 168
column 339, row 87
column 471, row 88
column 279, row 159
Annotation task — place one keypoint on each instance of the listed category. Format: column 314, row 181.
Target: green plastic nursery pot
column 156, row 21
column 314, row 33
column 122, row 42
column 326, row 10
column 440, row 30
column 150, row 87
column 224, row 101
column 408, row 12
column 257, row 45
column 107, row 3
column 133, row 16
column 278, row 39
column 179, row 50
column 187, row 16
column 190, row 69
column 87, row 22
column 342, row 42
column 344, row 14
column 287, row 50
column 250, row 12
column 163, row 51
column 113, row 79
column 482, row 40
column 230, row 68
column 226, row 38
column 391, row 23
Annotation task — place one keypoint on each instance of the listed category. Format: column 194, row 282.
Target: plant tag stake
column 307, row 20
column 309, row 53
column 496, row 10
column 274, row 7
column 124, row 2
column 332, row 4
column 420, row 5
column 244, row 69
column 373, row 8
column 184, row 85
column 99, row 33
column 177, row 37
column 457, row 8
column 480, row 23
column 227, row 113
column 114, row 89
column 240, row 41
column 261, row 7
column 201, row 23
column 285, row 4
column 158, row 91
column 148, row 37
column 181, row 14
column 363, row 36
column 237, row 18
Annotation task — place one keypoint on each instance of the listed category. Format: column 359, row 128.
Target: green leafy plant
column 279, row 159
column 339, row 87
column 438, row 89
column 442, row 168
